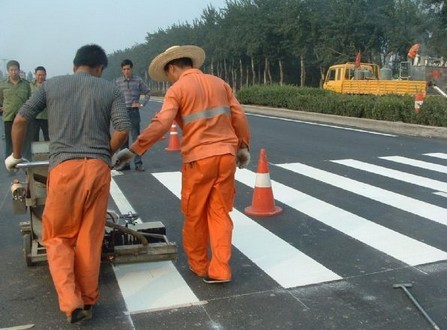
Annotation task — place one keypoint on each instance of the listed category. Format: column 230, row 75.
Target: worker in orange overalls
column 413, row 52
column 81, row 108
column 215, row 139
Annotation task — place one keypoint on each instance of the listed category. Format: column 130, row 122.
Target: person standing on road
column 81, row 107
column 133, row 87
column 14, row 91
column 41, row 120
column 216, row 138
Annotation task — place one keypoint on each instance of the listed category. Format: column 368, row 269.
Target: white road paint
column 281, row 261
column 158, row 285
column 150, row 285
column 440, row 193
column 437, row 155
column 120, row 199
column 408, row 204
column 394, row 174
column 401, row 247
column 417, row 163
column 323, row 125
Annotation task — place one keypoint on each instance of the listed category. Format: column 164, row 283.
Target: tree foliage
column 251, row 42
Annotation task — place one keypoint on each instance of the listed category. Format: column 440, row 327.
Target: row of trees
column 252, row 42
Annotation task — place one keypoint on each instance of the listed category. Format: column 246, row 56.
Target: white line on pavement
column 417, row 163
column 150, row 285
column 401, row 247
column 281, row 261
column 394, row 174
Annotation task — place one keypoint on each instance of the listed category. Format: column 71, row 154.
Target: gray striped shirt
column 132, row 89
column 81, row 108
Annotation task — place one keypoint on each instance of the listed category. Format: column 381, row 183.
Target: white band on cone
column 263, row 180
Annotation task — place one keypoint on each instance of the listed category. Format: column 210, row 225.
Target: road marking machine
column 125, row 239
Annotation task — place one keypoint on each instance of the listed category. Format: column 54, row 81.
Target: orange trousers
column 73, row 229
column 208, row 190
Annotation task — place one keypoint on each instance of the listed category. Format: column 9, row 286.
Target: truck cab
column 339, row 73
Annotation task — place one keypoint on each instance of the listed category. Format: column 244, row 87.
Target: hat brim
column 157, row 66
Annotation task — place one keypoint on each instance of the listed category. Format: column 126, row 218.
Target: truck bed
column 381, row 87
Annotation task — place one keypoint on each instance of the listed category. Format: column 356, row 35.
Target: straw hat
column 156, row 68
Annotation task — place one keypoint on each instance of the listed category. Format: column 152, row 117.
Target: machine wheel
column 27, row 241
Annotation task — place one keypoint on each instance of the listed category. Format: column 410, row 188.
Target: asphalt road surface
column 363, row 210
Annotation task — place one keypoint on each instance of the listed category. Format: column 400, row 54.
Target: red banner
column 358, row 58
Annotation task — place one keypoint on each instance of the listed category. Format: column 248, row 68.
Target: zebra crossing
column 281, row 260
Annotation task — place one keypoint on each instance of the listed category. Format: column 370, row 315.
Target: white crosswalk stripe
column 155, row 280
column 417, row 163
column 437, row 155
column 280, row 260
column 285, row 264
column 408, row 204
column 388, row 241
column 394, row 174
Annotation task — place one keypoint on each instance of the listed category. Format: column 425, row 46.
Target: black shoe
column 139, row 168
column 88, row 311
column 124, row 167
column 210, row 280
column 77, row 315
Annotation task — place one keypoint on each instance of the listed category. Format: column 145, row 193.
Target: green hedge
column 386, row 107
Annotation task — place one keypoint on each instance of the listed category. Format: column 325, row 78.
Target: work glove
column 123, row 157
column 242, row 158
column 11, row 162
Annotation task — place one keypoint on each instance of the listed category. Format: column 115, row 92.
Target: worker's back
column 80, row 110
column 206, row 119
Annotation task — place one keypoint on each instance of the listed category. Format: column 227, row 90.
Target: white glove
column 11, row 162
column 242, row 158
column 123, row 157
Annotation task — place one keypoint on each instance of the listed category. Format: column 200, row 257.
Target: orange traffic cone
column 418, row 101
column 263, row 203
column 174, row 142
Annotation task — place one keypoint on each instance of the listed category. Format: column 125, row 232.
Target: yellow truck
column 365, row 78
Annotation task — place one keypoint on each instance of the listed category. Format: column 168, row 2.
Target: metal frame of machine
column 125, row 240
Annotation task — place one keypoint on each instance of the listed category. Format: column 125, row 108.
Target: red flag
column 358, row 57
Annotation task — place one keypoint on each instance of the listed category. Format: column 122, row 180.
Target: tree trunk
column 266, row 64
column 281, row 73
column 233, row 76
column 225, row 71
column 241, row 69
column 322, row 71
column 253, row 71
column 234, row 73
column 303, row 71
column 269, row 74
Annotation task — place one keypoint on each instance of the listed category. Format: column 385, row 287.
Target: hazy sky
column 48, row 32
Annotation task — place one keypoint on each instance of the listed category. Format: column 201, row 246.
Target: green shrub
column 386, row 107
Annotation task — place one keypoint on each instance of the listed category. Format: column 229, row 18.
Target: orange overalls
column 214, row 126
column 413, row 51
column 73, row 229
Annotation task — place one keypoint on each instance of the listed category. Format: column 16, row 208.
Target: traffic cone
column 174, row 143
column 263, row 203
column 418, row 101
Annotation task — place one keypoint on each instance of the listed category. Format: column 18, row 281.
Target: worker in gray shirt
column 81, row 107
